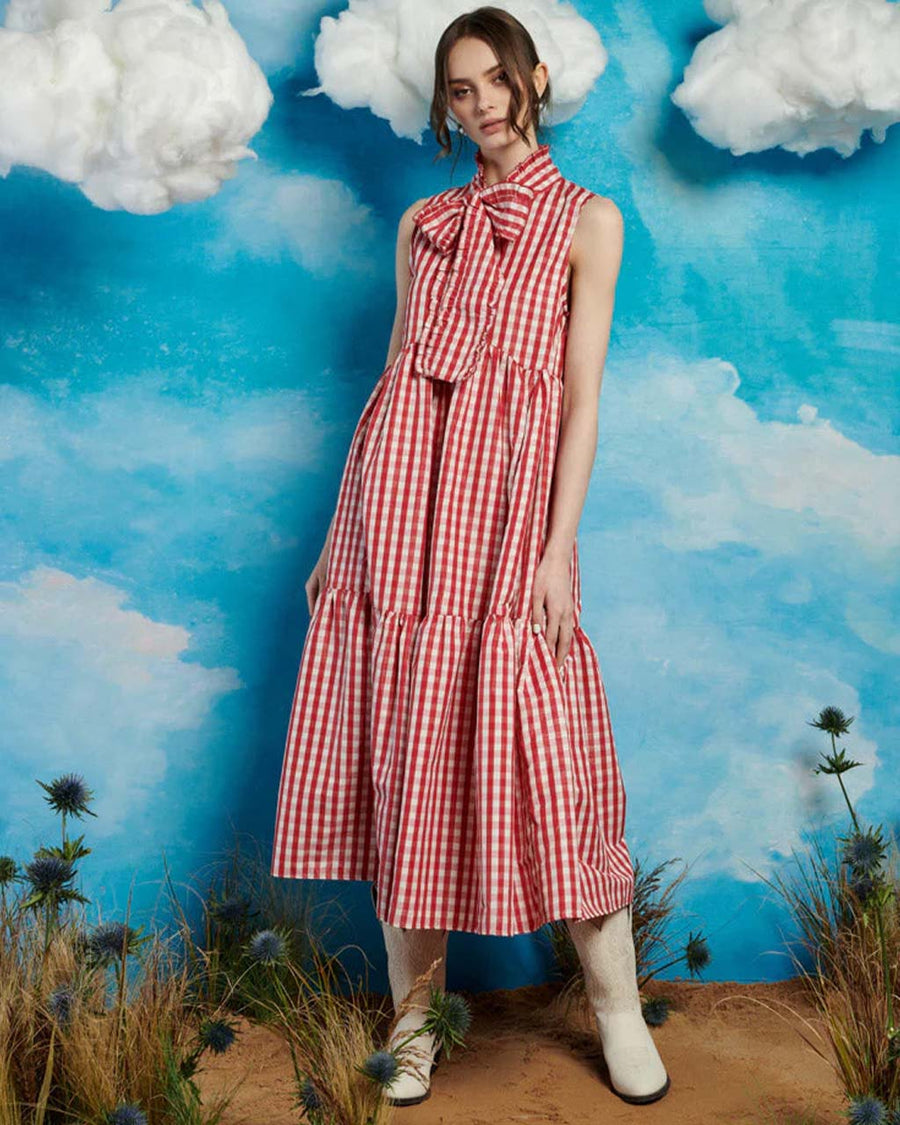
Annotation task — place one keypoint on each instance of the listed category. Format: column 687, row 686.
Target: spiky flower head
column 49, row 873
column 68, row 794
column 231, row 910
column 865, row 851
column 309, row 1096
column 867, row 1111
column 449, row 1016
column 60, row 1003
column 832, row 720
column 126, row 1113
column 381, row 1066
column 109, row 940
column 217, row 1035
column 656, row 1011
column 267, row 947
column 8, row 870
column 696, row 953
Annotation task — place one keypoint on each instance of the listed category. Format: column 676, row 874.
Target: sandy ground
column 730, row 1060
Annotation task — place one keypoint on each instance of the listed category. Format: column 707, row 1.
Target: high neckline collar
column 536, row 171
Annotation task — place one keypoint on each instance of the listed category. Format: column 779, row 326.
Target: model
column 449, row 737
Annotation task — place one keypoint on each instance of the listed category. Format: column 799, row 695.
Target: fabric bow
column 506, row 205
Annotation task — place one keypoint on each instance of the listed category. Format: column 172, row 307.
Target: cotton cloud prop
column 797, row 74
column 379, row 54
column 143, row 106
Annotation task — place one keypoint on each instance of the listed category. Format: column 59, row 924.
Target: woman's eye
column 502, row 75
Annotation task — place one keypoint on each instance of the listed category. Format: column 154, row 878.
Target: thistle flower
column 8, row 870
column 267, row 947
column 381, row 1066
column 110, row 940
column 60, row 1003
column 49, row 873
column 69, row 795
column 832, row 720
column 867, row 1111
column 309, row 1096
column 126, row 1113
column 696, row 953
column 656, row 1011
column 217, row 1035
column 449, row 1016
column 864, row 851
column 230, row 911
column 894, row 1115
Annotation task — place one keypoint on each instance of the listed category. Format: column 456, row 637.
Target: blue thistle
column 894, row 1115
column 867, row 1111
column 69, row 795
column 832, row 720
column 49, row 873
column 8, row 870
column 309, row 1096
column 267, row 947
column 864, row 851
column 60, row 1003
column 231, row 911
column 450, row 1015
column 696, row 953
column 217, row 1036
column 656, row 1011
column 109, row 940
column 126, row 1113
column 381, row 1066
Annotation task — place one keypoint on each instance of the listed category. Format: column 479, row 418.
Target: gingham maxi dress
column 434, row 746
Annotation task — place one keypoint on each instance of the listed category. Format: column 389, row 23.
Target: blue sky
column 177, row 393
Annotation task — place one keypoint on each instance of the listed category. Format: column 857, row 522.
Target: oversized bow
column 505, row 203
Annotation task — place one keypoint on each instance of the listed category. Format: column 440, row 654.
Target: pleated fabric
column 434, row 747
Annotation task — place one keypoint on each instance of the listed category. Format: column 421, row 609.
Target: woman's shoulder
column 595, row 210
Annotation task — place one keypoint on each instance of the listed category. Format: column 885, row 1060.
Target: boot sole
column 644, row 1099
column 421, row 1097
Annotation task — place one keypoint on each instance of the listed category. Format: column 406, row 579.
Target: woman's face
column 479, row 94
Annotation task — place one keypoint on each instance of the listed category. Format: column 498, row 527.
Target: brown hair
column 515, row 50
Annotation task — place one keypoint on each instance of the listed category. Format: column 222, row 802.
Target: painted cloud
column 799, row 75
column 144, row 105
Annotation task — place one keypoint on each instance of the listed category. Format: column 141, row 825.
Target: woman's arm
column 595, row 256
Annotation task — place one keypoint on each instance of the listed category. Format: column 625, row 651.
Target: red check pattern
column 434, row 746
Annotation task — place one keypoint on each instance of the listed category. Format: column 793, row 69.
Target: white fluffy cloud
column 143, row 106
column 797, row 74
column 379, row 54
column 318, row 223
column 89, row 685
column 724, row 475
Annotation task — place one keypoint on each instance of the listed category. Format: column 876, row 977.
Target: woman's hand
column 552, row 596
column 316, row 581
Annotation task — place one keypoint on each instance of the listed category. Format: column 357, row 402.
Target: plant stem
column 843, row 790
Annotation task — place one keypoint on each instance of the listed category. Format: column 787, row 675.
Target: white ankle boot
column 606, row 952
column 410, row 953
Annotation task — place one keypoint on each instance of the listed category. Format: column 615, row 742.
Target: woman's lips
column 492, row 127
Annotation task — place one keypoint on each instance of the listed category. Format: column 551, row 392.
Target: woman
column 449, row 736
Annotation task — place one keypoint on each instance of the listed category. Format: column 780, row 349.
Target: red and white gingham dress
column 434, row 746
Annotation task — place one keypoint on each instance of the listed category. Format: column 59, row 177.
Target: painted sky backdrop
column 177, row 395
